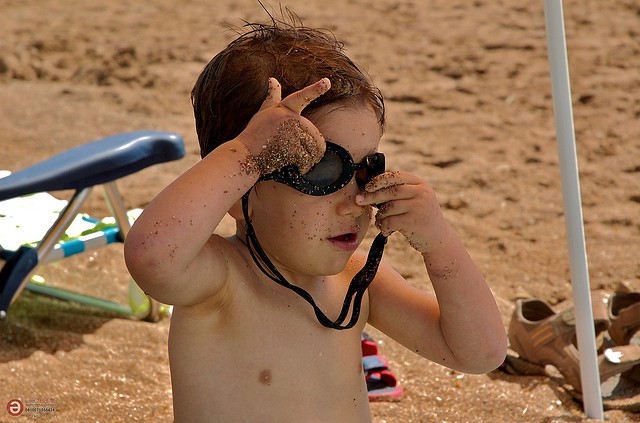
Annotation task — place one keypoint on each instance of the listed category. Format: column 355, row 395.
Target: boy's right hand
column 278, row 135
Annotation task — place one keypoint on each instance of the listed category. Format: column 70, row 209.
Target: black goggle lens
column 326, row 171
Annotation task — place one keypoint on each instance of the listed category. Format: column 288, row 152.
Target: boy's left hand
column 406, row 204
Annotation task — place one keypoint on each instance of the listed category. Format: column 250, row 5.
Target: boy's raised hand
column 406, row 204
column 278, row 135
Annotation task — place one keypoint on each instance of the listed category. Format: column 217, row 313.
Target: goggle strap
column 357, row 287
column 276, row 276
column 362, row 280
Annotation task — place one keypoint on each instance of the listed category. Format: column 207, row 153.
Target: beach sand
column 469, row 104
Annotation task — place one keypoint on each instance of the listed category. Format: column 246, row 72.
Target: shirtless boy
column 244, row 348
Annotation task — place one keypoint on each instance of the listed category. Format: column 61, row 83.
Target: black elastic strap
column 355, row 292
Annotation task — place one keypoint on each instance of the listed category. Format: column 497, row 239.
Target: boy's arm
column 460, row 327
column 171, row 251
column 171, row 248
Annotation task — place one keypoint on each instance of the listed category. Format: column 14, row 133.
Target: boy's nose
column 347, row 200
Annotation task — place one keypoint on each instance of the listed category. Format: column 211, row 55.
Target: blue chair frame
column 100, row 162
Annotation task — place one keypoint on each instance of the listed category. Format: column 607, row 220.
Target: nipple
column 265, row 377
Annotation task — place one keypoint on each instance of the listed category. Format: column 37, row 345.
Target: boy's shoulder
column 217, row 283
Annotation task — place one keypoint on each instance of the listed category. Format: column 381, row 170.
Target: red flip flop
column 382, row 384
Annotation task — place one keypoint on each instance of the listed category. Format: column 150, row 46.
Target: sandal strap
column 625, row 324
column 552, row 329
column 630, row 316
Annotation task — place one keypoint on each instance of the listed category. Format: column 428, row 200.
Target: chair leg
column 65, row 219
column 119, row 212
column 116, row 206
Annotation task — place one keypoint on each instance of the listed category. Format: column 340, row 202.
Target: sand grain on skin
column 291, row 145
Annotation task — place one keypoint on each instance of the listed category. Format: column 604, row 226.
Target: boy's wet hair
column 233, row 85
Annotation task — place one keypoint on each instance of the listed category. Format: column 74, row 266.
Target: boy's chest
column 268, row 358
column 273, row 329
column 286, row 332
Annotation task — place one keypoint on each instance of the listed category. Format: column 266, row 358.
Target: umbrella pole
column 557, row 50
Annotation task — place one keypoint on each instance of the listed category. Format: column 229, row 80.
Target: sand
column 468, row 95
column 292, row 144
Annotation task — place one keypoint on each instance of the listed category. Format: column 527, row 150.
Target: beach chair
column 80, row 169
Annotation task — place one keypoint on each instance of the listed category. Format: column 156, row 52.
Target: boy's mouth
column 346, row 241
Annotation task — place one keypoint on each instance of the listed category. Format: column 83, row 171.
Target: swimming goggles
column 332, row 173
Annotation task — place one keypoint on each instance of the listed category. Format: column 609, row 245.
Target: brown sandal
column 541, row 336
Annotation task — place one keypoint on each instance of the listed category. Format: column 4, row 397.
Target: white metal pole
column 557, row 50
